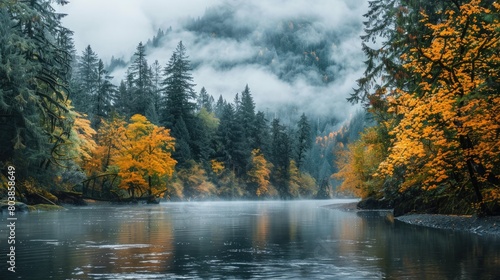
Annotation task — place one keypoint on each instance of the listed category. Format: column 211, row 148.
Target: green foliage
column 302, row 185
column 35, row 58
column 230, row 186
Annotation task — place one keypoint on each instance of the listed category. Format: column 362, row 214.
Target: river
column 240, row 240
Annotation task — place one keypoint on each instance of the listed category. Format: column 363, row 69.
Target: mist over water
column 243, row 240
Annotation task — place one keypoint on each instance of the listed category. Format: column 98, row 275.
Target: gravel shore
column 480, row 226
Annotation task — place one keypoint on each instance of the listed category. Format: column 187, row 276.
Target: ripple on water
column 118, row 246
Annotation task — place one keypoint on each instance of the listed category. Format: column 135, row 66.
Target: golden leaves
column 144, row 153
column 453, row 103
column 260, row 173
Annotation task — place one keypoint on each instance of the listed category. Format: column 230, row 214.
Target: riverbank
column 20, row 207
column 480, row 226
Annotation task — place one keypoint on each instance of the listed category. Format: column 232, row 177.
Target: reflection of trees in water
column 156, row 233
column 143, row 242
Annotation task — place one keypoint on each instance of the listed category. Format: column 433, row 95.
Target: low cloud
column 224, row 65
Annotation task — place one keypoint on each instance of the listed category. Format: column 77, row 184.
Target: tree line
column 66, row 126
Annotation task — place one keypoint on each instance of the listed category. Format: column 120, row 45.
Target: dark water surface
column 240, row 240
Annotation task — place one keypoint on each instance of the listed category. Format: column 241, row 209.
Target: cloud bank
column 223, row 63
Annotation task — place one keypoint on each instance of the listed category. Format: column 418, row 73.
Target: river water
column 240, row 240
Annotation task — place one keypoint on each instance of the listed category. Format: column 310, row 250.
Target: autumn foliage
column 144, row 157
column 442, row 115
column 139, row 153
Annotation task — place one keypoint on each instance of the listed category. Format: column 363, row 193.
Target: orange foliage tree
column 449, row 122
column 107, row 146
column 359, row 163
column 259, row 174
column 144, row 158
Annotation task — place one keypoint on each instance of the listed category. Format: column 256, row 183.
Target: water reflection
column 243, row 240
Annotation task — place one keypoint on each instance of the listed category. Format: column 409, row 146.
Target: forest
column 430, row 127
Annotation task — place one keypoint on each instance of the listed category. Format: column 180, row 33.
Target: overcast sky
column 115, row 27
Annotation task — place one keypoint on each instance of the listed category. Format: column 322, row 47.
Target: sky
column 115, row 27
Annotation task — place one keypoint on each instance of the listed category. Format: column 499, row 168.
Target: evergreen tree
column 230, row 142
column 246, row 115
column 35, row 67
column 262, row 134
column 178, row 103
column 141, row 84
column 219, row 107
column 121, row 104
column 303, row 140
column 156, row 93
column 86, row 80
column 280, row 158
column 101, row 104
column 205, row 100
column 182, row 152
column 178, row 88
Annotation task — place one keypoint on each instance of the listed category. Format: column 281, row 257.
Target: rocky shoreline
column 480, row 226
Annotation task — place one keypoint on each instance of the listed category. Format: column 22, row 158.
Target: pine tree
column 230, row 147
column 35, row 67
column 262, row 135
column 103, row 98
column 141, row 84
column 178, row 87
column 304, row 142
column 246, row 115
column 87, row 79
column 178, row 104
column 121, row 104
column 280, row 158
column 205, row 100
column 156, row 93
column 219, row 106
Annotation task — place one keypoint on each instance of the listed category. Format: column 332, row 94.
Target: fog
column 225, row 64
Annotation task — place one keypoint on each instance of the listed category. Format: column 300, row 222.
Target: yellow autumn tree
column 259, row 174
column 195, row 182
column 107, row 145
column 144, row 158
column 359, row 162
column 301, row 185
column 448, row 133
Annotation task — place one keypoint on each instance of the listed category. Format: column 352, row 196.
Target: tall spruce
column 141, row 90
column 205, row 100
column 230, row 146
column 304, row 142
column 103, row 97
column 86, row 77
column 280, row 158
column 179, row 100
column 156, row 93
column 246, row 115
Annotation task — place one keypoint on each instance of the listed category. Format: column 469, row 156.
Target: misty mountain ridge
column 306, row 61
